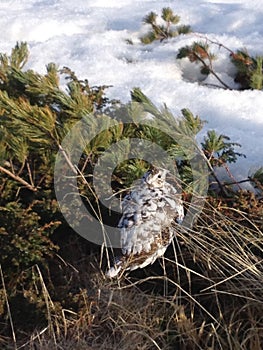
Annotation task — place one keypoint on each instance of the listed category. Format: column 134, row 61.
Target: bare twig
column 231, row 176
column 64, row 153
column 215, row 43
column 18, row 179
column 30, row 174
column 33, row 338
column 8, row 308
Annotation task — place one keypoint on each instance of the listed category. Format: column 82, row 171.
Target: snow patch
column 89, row 36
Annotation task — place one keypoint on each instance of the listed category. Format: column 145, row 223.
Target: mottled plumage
column 145, row 226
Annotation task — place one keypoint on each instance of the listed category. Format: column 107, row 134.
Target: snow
column 89, row 36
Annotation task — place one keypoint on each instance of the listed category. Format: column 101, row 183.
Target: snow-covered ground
column 89, row 36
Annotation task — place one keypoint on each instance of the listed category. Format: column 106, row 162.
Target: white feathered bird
column 145, row 226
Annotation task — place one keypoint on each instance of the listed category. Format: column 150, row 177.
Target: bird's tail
column 115, row 269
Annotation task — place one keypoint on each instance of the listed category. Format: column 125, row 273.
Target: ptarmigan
column 148, row 212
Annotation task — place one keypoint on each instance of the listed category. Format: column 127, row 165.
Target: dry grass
column 205, row 294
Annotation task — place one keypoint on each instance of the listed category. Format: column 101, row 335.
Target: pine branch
column 138, row 96
column 211, row 70
column 215, row 43
column 163, row 31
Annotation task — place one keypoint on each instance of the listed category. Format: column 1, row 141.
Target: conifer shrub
column 35, row 114
column 249, row 69
column 164, row 27
column 52, row 281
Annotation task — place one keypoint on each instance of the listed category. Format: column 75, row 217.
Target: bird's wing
column 146, row 213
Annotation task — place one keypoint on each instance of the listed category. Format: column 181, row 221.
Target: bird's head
column 155, row 177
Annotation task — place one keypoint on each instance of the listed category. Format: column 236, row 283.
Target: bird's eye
column 159, row 176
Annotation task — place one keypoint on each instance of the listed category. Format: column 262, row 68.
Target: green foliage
column 164, row 28
column 184, row 29
column 150, row 18
column 16, row 60
column 139, row 119
column 168, row 16
column 258, row 175
column 256, row 180
column 194, row 123
column 35, row 115
column 256, row 80
column 198, row 52
column 249, row 70
column 25, row 240
column 219, row 150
